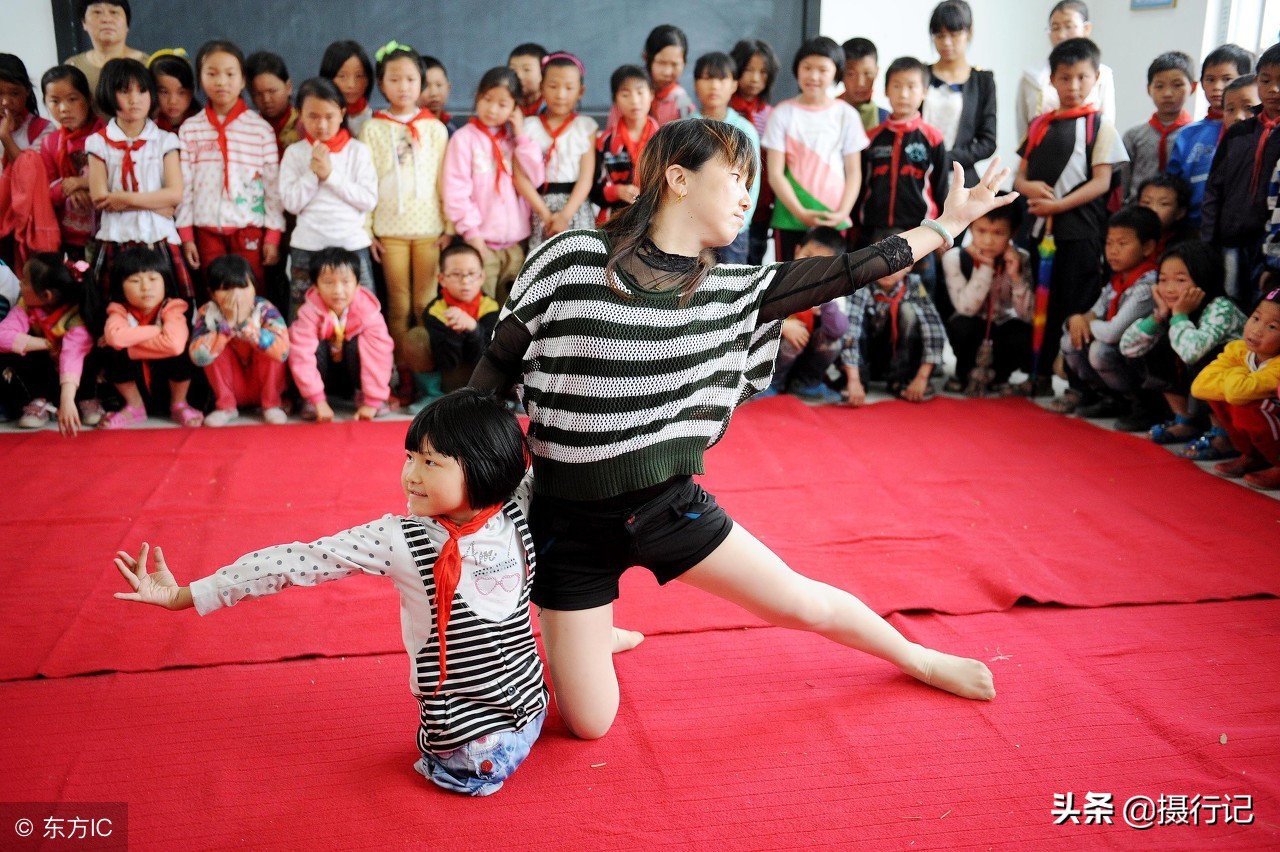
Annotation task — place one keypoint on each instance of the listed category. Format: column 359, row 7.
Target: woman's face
column 951, row 44
column 716, row 203
column 666, row 65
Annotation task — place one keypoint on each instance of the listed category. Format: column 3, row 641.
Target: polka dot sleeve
column 374, row 548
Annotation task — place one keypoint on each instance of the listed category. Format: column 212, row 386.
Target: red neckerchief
column 1267, row 125
column 532, row 109
column 1183, row 119
column 358, row 106
column 471, row 308
column 65, row 138
column 220, row 125
column 894, row 299
column 664, row 93
column 164, row 123
column 634, row 148
column 904, row 125
column 747, row 108
column 445, row 117
column 499, row 164
column 46, row 321
column 1122, row 281
column 447, row 570
column 555, row 134
column 334, row 143
column 127, row 174
column 1040, row 124
column 422, row 113
column 1214, row 114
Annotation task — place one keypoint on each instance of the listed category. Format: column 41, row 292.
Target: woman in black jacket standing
column 961, row 100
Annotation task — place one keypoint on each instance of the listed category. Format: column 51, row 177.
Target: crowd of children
column 253, row 240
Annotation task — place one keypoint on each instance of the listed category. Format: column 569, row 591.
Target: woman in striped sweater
column 633, row 348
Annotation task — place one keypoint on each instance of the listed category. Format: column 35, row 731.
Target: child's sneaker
column 91, row 412
column 275, row 416
column 308, row 411
column 818, row 394
column 35, row 414
column 221, row 417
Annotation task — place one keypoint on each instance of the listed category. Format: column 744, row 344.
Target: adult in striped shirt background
column 633, row 348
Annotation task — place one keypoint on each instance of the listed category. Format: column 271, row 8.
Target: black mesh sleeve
column 814, row 281
column 501, row 365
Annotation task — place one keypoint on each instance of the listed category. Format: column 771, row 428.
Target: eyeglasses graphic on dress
column 486, row 585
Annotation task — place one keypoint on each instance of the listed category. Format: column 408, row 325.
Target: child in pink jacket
column 339, row 341
column 146, row 337
column 480, row 196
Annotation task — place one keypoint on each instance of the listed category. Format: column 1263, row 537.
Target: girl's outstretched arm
column 158, row 587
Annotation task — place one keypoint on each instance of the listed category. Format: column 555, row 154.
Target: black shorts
column 583, row 547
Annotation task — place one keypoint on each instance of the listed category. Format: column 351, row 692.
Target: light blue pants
column 479, row 767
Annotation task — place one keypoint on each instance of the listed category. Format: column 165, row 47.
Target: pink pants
column 235, row 384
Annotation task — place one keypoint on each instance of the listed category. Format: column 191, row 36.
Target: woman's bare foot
column 625, row 640
column 957, row 675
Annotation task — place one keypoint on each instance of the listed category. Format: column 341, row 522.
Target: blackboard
column 468, row 36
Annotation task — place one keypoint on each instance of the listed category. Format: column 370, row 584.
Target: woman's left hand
column 966, row 203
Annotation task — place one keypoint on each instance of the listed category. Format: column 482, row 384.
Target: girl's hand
column 479, row 245
column 1191, row 298
column 812, row 218
column 1012, row 262
column 517, row 121
column 832, row 218
column 321, row 165
column 115, row 202
column 1078, row 328
column 966, row 203
column 270, row 254
column 7, row 126
column 74, row 184
column 36, row 344
column 1036, row 189
column 628, row 192
column 914, row 392
column 376, row 250
column 366, row 412
column 459, row 320
column 1044, row 207
column 1161, row 313
column 445, row 240
column 69, row 417
column 158, row 588
column 855, row 395
column 795, row 333
column 324, row 412
column 79, row 199
column 191, row 255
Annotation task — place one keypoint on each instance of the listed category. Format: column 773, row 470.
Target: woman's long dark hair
column 690, row 143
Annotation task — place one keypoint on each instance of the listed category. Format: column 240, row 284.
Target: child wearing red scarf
column 230, row 171
column 1066, row 185
column 146, row 332
column 1110, row 383
column 480, row 195
column 328, row 180
column 455, row 329
column 67, row 97
column 461, row 557
column 1150, row 144
column 618, row 148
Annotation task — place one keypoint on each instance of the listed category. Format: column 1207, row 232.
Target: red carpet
column 957, row 506
column 756, row 739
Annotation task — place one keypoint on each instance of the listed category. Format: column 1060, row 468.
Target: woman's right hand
column 966, row 203
column 191, row 254
column 376, row 249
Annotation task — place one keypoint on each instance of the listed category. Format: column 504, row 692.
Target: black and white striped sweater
column 626, row 391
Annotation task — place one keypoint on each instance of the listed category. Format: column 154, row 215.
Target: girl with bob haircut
column 622, row 408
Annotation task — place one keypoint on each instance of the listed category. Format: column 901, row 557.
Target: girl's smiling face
column 1174, row 280
column 434, row 484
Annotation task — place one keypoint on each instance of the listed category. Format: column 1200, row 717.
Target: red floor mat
column 955, row 506
column 748, row 739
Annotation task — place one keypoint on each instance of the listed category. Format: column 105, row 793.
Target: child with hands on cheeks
column 241, row 342
column 339, row 341
column 1192, row 321
column 461, row 558
column 21, row 126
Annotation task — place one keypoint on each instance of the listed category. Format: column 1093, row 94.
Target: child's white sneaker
column 275, row 416
column 35, row 414
column 221, row 417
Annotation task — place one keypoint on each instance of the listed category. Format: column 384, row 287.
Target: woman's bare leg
column 745, row 572
column 579, row 645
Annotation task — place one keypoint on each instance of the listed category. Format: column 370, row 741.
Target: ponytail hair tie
column 569, row 56
column 389, row 48
column 77, row 268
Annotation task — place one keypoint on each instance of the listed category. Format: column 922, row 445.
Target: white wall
column 1010, row 36
column 27, row 32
